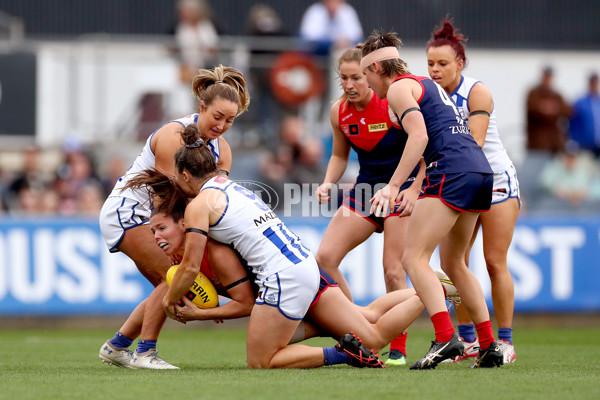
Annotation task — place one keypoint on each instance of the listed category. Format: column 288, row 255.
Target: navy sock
column 467, row 332
column 145, row 345
column 121, row 341
column 332, row 356
column 505, row 334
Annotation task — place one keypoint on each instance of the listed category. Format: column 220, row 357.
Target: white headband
column 384, row 53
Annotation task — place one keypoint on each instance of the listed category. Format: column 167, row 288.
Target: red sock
column 399, row 343
column 485, row 334
column 442, row 324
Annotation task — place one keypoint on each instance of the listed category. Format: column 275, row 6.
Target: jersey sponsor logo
column 378, row 127
column 460, row 129
column 362, row 120
column 346, row 117
column 264, row 218
column 353, row 130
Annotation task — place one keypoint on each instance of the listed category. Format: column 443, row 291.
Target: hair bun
column 196, row 144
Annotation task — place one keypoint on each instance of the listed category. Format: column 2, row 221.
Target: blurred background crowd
column 288, row 53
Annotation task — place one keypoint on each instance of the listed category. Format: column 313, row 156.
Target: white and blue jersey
column 127, row 208
column 263, row 241
column 492, row 148
column 285, row 271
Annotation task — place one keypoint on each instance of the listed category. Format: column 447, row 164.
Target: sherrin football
column 202, row 293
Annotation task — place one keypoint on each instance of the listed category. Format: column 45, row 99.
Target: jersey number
column 257, row 200
column 286, row 242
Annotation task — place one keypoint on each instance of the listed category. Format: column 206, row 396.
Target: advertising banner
column 61, row 266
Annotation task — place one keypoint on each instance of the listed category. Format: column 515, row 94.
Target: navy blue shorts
column 357, row 200
column 463, row 191
column 326, row 282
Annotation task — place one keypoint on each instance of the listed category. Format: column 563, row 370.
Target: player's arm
column 165, row 143
column 225, row 157
column 196, row 227
column 236, row 282
column 339, row 157
column 408, row 197
column 340, row 150
column 481, row 105
column 402, row 97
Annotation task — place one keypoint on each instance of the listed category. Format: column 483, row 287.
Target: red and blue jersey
column 377, row 142
column 451, row 148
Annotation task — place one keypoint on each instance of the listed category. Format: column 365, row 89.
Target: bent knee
column 327, row 260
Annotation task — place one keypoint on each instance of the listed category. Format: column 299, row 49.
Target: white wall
column 89, row 89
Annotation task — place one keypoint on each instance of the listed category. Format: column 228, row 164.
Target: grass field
column 62, row 363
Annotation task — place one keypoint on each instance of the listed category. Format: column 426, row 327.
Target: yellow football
column 202, row 293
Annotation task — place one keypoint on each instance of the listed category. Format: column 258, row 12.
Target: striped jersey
column 254, row 230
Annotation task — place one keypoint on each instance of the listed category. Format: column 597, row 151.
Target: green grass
column 62, row 363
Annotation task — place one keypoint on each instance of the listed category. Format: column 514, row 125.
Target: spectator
column 195, row 36
column 90, row 199
column 49, row 202
column 30, row 181
column 331, row 24
column 297, row 159
column 585, row 121
column 567, row 179
column 76, row 171
column 546, row 116
column 112, row 171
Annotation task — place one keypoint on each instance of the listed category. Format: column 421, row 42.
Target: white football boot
column 121, row 357
column 149, row 360
column 508, row 350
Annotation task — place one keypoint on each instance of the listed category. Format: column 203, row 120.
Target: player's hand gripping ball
column 202, row 293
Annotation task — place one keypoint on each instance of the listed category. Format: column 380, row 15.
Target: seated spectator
column 90, row 199
column 584, row 124
column 76, row 171
column 567, row 179
column 29, row 181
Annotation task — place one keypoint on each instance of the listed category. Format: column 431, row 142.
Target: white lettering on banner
column 527, row 276
column 4, row 268
column 562, row 241
column 30, row 261
column 364, row 271
column 83, row 284
column 31, row 281
column 116, row 288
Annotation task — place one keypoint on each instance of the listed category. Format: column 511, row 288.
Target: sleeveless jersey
column 146, row 160
column 451, row 148
column 492, row 147
column 376, row 141
column 265, row 244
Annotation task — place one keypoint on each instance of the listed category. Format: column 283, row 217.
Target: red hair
column 447, row 35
